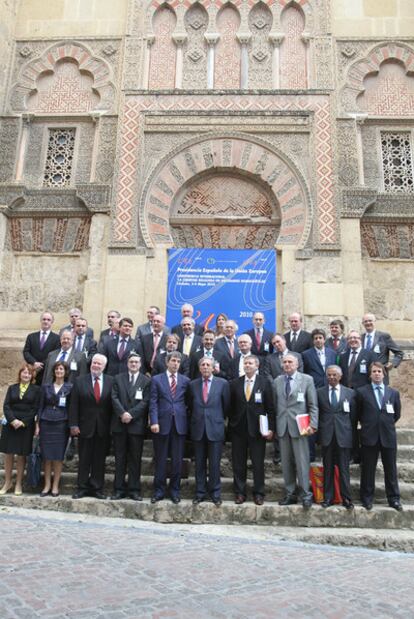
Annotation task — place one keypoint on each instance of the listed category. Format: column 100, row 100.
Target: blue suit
column 313, row 367
column 207, row 432
column 171, row 416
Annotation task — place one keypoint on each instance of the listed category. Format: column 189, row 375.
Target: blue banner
column 236, row 282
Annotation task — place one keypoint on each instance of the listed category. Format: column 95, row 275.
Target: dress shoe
column 80, row 494
column 348, row 504
column 307, row 504
column 240, row 498
column 155, row 499
column 217, row 501
column 175, row 500
column 276, row 460
column 54, row 494
column 396, row 505
column 18, row 492
column 117, row 496
column 198, row 499
column 368, row 506
column 99, row 495
column 45, row 493
column 288, row 500
column 135, row 496
column 258, row 499
column 326, row 504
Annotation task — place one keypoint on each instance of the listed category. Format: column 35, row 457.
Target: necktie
column 248, row 390
column 173, row 386
column 351, row 367
column 63, row 355
column 293, row 342
column 205, row 390
column 368, row 341
column 187, row 345
column 287, row 387
column 97, row 390
column 231, row 348
column 334, row 399
column 155, row 346
column 121, row 349
column 378, row 393
column 42, row 340
column 79, row 344
column 132, row 379
column 335, row 343
column 258, row 338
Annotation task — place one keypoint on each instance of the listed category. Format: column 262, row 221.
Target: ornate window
column 59, row 158
column 397, row 162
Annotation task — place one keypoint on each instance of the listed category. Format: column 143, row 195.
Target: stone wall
column 364, row 18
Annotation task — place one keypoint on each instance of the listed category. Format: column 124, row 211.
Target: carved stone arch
column 306, row 7
column 234, row 154
column 74, row 52
column 371, row 65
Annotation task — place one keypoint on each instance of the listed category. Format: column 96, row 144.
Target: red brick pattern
column 293, row 50
column 163, row 50
column 227, row 58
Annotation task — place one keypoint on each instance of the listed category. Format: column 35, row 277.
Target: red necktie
column 173, row 386
column 154, row 354
column 97, row 390
column 258, row 339
column 335, row 343
column 205, row 390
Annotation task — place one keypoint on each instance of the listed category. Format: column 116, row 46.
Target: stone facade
column 132, row 127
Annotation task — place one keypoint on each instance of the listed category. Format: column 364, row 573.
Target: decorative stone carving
column 195, row 49
column 356, row 201
column 388, row 93
column 397, row 161
column 9, row 134
column 322, row 63
column 388, row 241
column 59, row 158
column 371, row 156
column 49, row 235
column 227, row 52
column 347, row 154
column 225, row 237
column 293, row 56
column 163, row 50
column 133, row 63
column 106, row 150
column 260, row 52
column 21, row 200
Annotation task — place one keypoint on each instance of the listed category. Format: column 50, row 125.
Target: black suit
column 335, row 436
column 93, row 420
column 129, row 437
column 234, row 367
column 265, row 347
column 222, row 346
column 381, row 346
column 89, row 346
column 32, row 351
column 378, row 436
column 245, row 431
column 195, row 345
column 218, row 356
column 360, row 375
column 198, row 330
column 148, row 349
column 160, row 364
column 303, row 341
column 116, row 365
column 342, row 345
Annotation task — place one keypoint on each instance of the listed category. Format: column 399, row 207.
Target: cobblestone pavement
column 80, row 567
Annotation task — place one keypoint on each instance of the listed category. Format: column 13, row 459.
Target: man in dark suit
column 160, row 363
column 236, row 366
column 337, row 340
column 190, row 342
column 76, row 361
column 187, row 311
column 74, row 314
column 82, row 342
column 317, row 358
column 154, row 342
column 118, row 350
column 337, row 412
column 113, row 317
column 379, row 409
column 209, row 401
column 221, row 361
column 261, row 337
column 297, row 340
column 146, row 327
column 251, row 396
column 273, row 364
column 89, row 419
column 228, row 344
column 130, row 402
column 380, row 344
column 169, row 424
column 39, row 344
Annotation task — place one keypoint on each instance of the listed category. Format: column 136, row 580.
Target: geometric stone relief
column 225, row 237
column 371, row 146
column 163, row 50
column 390, row 92
column 260, row 52
column 59, row 158
column 387, row 241
column 348, row 174
column 9, row 133
column 195, row 48
column 227, row 51
column 293, row 56
column 49, row 234
column 106, row 149
column 322, row 63
column 397, row 161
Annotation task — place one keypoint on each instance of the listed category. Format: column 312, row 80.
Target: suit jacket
column 222, row 359
column 288, row 408
column 163, row 407
column 343, row 344
column 313, row 367
column 303, row 342
column 222, row 346
column 244, row 415
column 208, row 417
column 360, row 375
column 124, row 400
column 89, row 346
column 381, row 347
column 32, row 352
column 24, row 409
column 148, row 348
column 377, row 425
column 90, row 416
column 266, row 347
column 160, row 364
column 89, row 331
column 49, row 404
column 110, row 350
column 195, row 345
column 145, row 329
column 334, row 421
column 74, row 357
column 198, row 330
column 234, row 367
column 272, row 366
column 104, row 335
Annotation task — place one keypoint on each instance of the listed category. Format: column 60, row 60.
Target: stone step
column 405, row 436
column 381, row 517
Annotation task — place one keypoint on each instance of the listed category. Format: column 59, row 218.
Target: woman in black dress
column 20, row 409
column 53, row 426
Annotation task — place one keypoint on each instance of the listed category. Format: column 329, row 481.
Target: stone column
column 26, row 119
column 147, row 60
column 244, row 39
column 96, row 117
column 93, row 300
column 211, row 39
column 179, row 40
column 306, row 38
column 353, row 295
column 275, row 39
column 359, row 121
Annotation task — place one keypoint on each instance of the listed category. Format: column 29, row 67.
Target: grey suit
column 294, row 448
column 77, row 359
column 381, row 347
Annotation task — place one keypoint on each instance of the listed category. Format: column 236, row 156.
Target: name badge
column 266, row 346
column 258, row 397
column 389, row 408
column 62, row 400
column 301, row 397
column 377, row 348
column 363, row 367
column 217, row 367
column 346, row 407
column 73, row 365
column 138, row 394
